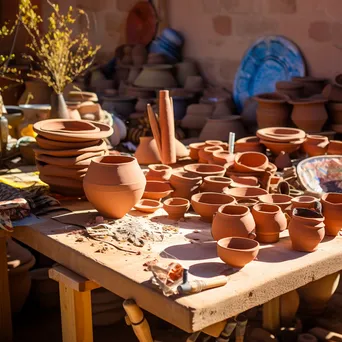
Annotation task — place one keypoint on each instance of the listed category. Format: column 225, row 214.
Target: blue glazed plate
column 269, row 60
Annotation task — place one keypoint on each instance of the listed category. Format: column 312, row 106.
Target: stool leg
column 77, row 325
column 271, row 315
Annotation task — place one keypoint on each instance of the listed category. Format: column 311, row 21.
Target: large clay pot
column 156, row 76
column 306, row 229
column 270, row 221
column 40, row 92
column 233, row 220
column 309, row 115
column 114, row 184
column 273, row 110
column 312, row 85
column 332, row 211
column 185, row 184
column 147, row 151
column 315, row 145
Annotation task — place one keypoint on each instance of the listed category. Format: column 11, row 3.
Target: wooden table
column 277, row 270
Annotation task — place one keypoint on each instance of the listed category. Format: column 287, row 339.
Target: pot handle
column 252, row 235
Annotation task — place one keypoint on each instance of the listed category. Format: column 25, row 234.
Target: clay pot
column 308, row 202
column 309, row 115
column 233, row 220
column 148, row 206
column 245, row 193
column 243, row 181
column 147, row 151
column 185, row 184
column 205, row 154
column 270, row 221
column 283, row 201
column 247, row 202
column 34, row 113
column 335, row 111
column 156, row 76
column 332, row 209
column 214, row 184
column 206, row 204
column 237, row 251
column 273, row 110
column 312, row 85
column 248, row 144
column 306, row 229
column 114, row 184
column 197, row 115
column 70, row 126
column 335, row 147
column 40, row 91
column 332, row 92
column 122, row 105
column 176, row 207
column 250, row 162
column 55, row 145
column 159, row 172
column 281, row 134
column 157, row 190
column 287, row 147
column 222, row 157
column 316, row 145
column 205, row 170
column 194, row 150
column 291, row 89
column 224, row 145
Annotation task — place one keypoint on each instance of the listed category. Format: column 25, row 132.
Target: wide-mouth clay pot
column 245, row 193
column 280, row 134
column 276, row 148
column 157, row 190
column 206, row 204
column 312, row 85
column 242, row 182
column 159, row 172
column 335, row 147
column 148, row 206
column 214, row 184
column 64, row 145
column 222, row 157
column 194, row 149
column 205, row 170
column 271, row 98
column 283, row 201
column 248, row 144
column 250, row 162
column 247, row 202
column 332, row 211
column 176, row 207
column 72, row 126
column 185, row 184
column 237, row 251
column 205, row 154
column 308, row 202
column 315, row 145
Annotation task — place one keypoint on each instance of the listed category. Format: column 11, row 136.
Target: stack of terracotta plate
column 278, row 139
column 65, row 150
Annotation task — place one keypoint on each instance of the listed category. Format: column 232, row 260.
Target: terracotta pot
column 248, row 144
column 276, row 147
column 332, row 209
column 309, row 115
column 147, row 151
column 206, row 154
column 233, row 220
column 69, row 126
column 283, row 201
column 205, row 170
column 281, row 134
column 194, row 150
column 148, row 206
column 222, row 157
column 243, row 181
column 156, row 76
column 185, row 184
column 114, row 184
column 270, row 221
column 157, row 190
column 247, row 202
column 206, row 204
column 176, row 207
column 245, row 193
column 214, row 184
column 40, row 91
column 335, row 111
column 237, row 251
column 316, row 145
column 185, row 69
column 159, row 172
column 335, row 147
column 308, row 202
column 273, row 110
column 306, row 229
column 217, row 143
column 122, row 105
column 293, row 90
column 250, row 162
column 312, row 85
column 220, row 128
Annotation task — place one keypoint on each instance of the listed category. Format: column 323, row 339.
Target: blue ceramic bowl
column 173, row 36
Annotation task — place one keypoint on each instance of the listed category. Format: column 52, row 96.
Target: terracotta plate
column 65, row 145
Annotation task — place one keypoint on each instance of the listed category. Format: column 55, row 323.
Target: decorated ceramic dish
column 321, row 174
column 269, row 60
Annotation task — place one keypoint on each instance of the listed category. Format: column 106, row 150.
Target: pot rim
column 337, row 194
column 228, row 239
column 168, row 204
column 223, row 206
column 98, row 160
column 257, row 208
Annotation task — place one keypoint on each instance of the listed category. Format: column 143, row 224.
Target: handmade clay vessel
column 282, row 160
column 316, row 145
column 148, row 206
column 156, row 190
column 335, row 147
column 312, row 85
column 332, row 212
column 287, row 147
column 214, row 184
column 280, row 134
column 233, row 220
column 273, row 110
column 40, row 93
column 283, row 201
column 308, row 202
column 61, row 171
column 244, row 181
column 185, row 184
column 114, row 184
column 206, row 204
column 306, row 229
column 245, row 192
column 176, row 207
column 211, row 142
column 237, row 251
column 250, row 162
column 206, row 154
column 156, row 76
column 159, row 172
column 292, row 89
column 55, row 145
column 247, row 202
column 249, row 144
column 270, row 221
column 205, row 170
column 147, row 151
column 222, row 157
column 194, row 150
column 309, row 115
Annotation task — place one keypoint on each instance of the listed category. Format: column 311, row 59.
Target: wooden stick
column 155, row 128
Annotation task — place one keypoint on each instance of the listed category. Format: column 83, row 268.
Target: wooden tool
column 155, row 128
column 196, row 286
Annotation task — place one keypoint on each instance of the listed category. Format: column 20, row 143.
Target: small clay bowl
column 159, row 172
column 157, row 190
column 237, row 251
column 176, row 207
column 206, row 204
column 205, row 154
column 250, row 162
column 222, row 157
column 205, row 170
column 245, row 193
column 283, row 201
column 195, row 148
column 247, row 202
column 242, row 182
column 148, row 206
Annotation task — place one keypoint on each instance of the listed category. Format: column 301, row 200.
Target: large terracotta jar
column 273, row 110
column 316, row 145
column 114, row 184
column 270, row 221
column 306, row 229
column 309, row 115
column 233, row 220
column 332, row 211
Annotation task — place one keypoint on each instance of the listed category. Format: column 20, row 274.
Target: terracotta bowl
column 205, row 154
column 205, row 170
column 287, row 147
column 250, row 162
column 159, row 172
column 215, row 184
column 148, row 206
column 245, row 193
column 248, row 144
column 49, row 144
column 176, row 207
column 72, row 126
column 157, row 190
column 206, row 204
column 247, row 202
column 283, row 201
column 222, row 157
column 280, row 134
column 242, row 182
column 237, row 251
column 195, row 148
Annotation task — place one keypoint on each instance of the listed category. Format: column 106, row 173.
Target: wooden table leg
column 271, row 315
column 5, row 300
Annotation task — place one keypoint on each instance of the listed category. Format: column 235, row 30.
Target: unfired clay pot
column 250, row 162
column 233, row 220
column 332, row 212
column 205, row 170
column 159, row 172
column 248, row 144
column 306, row 229
column 270, row 221
column 185, row 184
column 157, row 190
column 114, row 184
column 316, row 145
column 147, row 151
column 334, row 147
column 237, row 251
column 214, row 184
column 176, row 207
column 205, row 154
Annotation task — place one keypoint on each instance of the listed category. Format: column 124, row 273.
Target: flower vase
column 59, row 109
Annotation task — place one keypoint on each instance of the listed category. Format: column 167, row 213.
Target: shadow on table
column 192, row 222
column 271, row 253
column 328, row 238
column 211, row 269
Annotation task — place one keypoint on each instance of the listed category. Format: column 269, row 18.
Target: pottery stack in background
column 65, row 149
